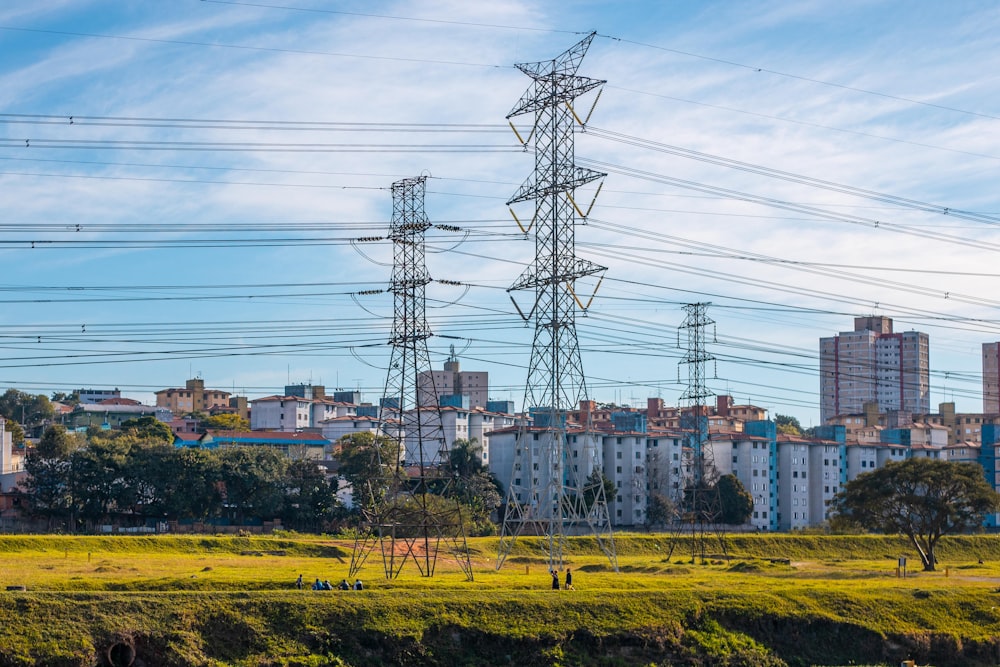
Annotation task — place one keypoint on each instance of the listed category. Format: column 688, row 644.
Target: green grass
column 781, row 599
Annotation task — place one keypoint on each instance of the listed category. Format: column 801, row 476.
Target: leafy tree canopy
column 923, row 499
column 16, row 432
column 227, row 421
column 660, row 511
column 598, row 483
column 736, row 501
column 57, row 443
column 27, row 409
column 466, row 457
column 788, row 425
column 69, row 398
column 365, row 456
column 148, row 428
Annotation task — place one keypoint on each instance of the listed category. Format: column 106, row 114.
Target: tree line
column 78, row 482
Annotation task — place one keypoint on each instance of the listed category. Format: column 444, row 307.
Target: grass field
column 777, row 599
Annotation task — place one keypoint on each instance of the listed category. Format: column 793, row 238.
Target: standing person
column 555, row 580
column 569, row 580
column 298, row 582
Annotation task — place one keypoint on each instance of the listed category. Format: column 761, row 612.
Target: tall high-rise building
column 874, row 365
column 991, row 378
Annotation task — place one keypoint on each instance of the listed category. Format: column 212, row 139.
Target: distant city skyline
column 201, row 189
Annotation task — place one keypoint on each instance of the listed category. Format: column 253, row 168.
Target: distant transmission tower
column 407, row 515
column 699, row 507
column 553, row 493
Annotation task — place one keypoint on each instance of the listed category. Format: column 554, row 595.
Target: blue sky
column 194, row 218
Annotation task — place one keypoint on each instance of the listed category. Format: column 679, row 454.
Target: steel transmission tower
column 407, row 515
column 700, row 507
column 552, row 493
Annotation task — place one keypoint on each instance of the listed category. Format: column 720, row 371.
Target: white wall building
column 280, row 413
column 793, row 484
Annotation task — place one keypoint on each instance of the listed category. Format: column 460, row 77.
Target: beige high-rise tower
column 874, row 365
column 991, row 378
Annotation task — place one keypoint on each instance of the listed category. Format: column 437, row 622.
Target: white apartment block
column 749, row 458
column 280, row 413
column 335, row 428
column 624, row 462
column 295, row 413
column 663, row 464
column 861, row 457
column 827, row 476
column 793, row 484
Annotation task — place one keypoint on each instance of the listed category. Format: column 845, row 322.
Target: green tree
column 57, row 443
column 69, row 398
column 480, row 493
column 47, row 487
column 175, row 483
column 29, row 410
column 195, row 492
column 788, row 425
column 253, row 479
column 736, row 501
column 16, row 432
column 923, row 499
column 367, row 463
column 100, row 483
column 597, row 483
column 660, row 511
column 148, row 428
column 466, row 457
column 227, row 421
column 310, row 499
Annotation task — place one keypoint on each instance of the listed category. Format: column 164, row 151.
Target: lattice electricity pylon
column 551, row 493
column 699, row 506
column 407, row 514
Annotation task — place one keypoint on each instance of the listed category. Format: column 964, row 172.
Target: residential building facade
column 192, row 398
column 874, row 365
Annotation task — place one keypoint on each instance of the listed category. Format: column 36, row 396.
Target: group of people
column 325, row 585
column 569, row 580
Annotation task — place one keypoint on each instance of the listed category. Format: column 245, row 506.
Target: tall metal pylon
column 407, row 514
column 552, row 493
column 699, row 506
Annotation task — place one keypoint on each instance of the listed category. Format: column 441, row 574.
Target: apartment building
column 991, row 378
column 874, row 365
column 435, row 386
column 193, row 397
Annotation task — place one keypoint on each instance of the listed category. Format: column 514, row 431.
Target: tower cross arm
column 570, row 178
column 580, row 268
column 551, row 90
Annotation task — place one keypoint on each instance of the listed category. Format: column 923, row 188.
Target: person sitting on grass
column 344, row 586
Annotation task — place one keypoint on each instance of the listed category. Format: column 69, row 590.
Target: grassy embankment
column 230, row 601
